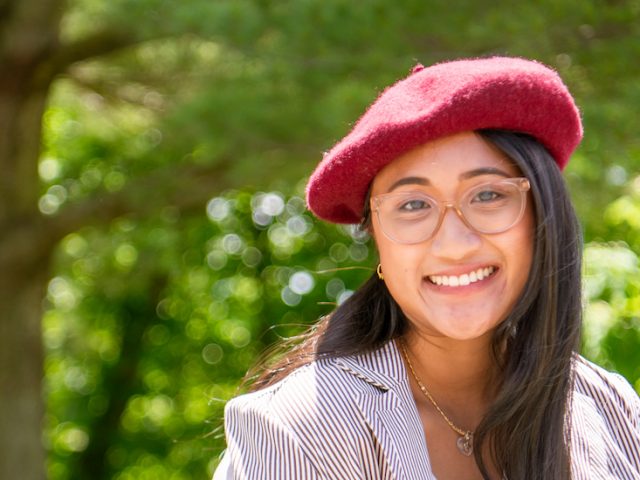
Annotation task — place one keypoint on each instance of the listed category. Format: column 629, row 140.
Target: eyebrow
column 463, row 176
column 484, row 171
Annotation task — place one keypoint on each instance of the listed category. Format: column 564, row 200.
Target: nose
column 453, row 239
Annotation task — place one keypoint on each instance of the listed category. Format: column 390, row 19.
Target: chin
column 466, row 325
column 460, row 332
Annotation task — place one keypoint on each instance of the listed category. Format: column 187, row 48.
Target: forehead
column 443, row 161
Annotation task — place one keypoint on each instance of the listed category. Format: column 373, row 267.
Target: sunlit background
column 174, row 161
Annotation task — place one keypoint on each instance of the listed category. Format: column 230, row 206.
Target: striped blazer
column 355, row 418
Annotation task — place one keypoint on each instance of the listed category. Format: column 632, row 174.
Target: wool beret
column 499, row 93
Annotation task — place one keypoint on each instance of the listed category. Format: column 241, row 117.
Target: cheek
column 396, row 259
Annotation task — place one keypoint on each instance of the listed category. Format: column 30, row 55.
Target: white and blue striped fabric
column 355, row 418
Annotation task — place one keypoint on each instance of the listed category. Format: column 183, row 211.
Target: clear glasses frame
column 519, row 184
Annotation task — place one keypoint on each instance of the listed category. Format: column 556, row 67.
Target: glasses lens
column 407, row 217
column 493, row 207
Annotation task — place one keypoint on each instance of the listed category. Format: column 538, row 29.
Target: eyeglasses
column 413, row 217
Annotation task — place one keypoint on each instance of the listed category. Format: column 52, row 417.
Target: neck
column 461, row 375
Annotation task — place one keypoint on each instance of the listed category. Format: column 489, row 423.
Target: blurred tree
column 147, row 109
column 32, row 55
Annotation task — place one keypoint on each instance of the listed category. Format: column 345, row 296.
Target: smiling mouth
column 462, row 280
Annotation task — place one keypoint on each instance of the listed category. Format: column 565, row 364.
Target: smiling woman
column 458, row 358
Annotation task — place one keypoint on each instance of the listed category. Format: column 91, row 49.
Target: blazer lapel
column 390, row 412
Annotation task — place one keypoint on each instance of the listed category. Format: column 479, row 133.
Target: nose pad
column 454, row 238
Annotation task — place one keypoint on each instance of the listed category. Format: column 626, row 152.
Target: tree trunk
column 28, row 37
column 21, row 295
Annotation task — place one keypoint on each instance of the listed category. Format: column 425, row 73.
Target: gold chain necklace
column 465, row 441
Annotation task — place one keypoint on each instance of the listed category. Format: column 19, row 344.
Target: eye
column 487, row 195
column 413, row 205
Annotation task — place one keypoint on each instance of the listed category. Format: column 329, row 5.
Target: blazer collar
column 390, row 410
column 382, row 368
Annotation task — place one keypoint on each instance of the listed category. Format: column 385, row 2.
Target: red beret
column 499, row 92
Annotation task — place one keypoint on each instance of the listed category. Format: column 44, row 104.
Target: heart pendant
column 465, row 445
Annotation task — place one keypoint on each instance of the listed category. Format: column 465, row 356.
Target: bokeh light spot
column 338, row 252
column 49, row 169
column 218, row 208
column 217, row 259
column 334, row 288
column 212, row 353
column 232, row 243
column 126, row 255
column 301, row 283
column 289, row 297
column 240, row 336
column 344, row 296
column 251, row 257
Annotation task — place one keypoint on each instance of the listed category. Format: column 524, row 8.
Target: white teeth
column 462, row 280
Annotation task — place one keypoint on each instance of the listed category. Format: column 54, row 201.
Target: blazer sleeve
column 260, row 446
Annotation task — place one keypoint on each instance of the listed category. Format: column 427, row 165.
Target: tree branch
column 185, row 188
column 98, row 44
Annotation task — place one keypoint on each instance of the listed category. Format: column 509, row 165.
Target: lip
column 462, row 289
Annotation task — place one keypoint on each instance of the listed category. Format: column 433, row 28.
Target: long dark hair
column 526, row 430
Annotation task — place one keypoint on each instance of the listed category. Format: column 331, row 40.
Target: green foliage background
column 152, row 320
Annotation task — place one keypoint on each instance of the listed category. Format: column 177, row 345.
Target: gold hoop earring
column 379, row 272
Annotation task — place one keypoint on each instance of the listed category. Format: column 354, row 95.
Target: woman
column 457, row 359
